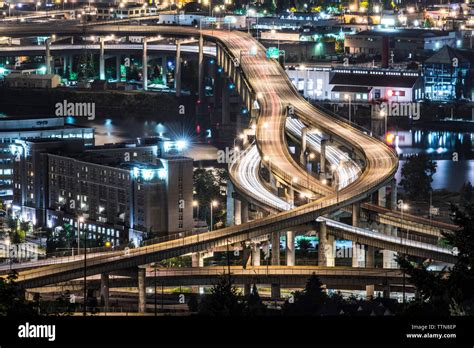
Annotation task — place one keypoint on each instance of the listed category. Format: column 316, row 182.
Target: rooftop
column 373, row 80
column 413, row 33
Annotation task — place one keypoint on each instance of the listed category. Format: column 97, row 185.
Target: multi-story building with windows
column 448, row 74
column 13, row 128
column 124, row 192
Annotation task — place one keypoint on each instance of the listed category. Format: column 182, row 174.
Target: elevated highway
column 295, row 276
column 262, row 81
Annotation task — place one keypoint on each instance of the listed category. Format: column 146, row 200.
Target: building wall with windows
column 119, row 189
column 12, row 129
column 360, row 85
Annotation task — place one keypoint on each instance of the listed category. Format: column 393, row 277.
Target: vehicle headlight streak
column 346, row 170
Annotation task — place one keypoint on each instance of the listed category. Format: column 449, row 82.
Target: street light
column 348, row 97
column 212, row 204
column 403, row 207
column 80, row 220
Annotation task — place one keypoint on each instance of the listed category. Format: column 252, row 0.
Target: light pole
column 212, row 204
column 348, row 97
column 80, row 220
column 403, row 206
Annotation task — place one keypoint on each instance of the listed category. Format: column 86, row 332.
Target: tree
column 417, row 176
column 60, row 238
column 304, row 245
column 207, row 187
column 12, row 298
column 64, row 304
column 310, row 301
column 18, row 230
column 466, row 194
column 452, row 290
column 222, row 301
column 254, row 305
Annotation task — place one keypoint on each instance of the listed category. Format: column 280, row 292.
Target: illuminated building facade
column 448, row 75
column 12, row 128
column 124, row 192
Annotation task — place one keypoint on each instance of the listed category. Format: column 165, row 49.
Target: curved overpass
column 275, row 93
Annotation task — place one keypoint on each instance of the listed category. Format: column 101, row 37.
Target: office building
column 124, row 192
column 13, row 128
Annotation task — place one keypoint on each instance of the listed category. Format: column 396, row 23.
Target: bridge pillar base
column 247, row 289
column 325, row 247
column 386, row 291
column 275, row 291
column 358, row 255
column 369, row 291
column 255, row 255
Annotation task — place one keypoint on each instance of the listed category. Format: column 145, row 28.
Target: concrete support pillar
column 145, row 64
column 386, row 291
column 64, row 65
column 104, row 289
column 369, row 291
column 382, row 199
column 141, row 290
column 370, row 257
column 290, row 248
column 304, row 131
column 48, row 56
column 247, row 289
column 177, row 75
column 276, row 248
column 201, row 69
column 225, row 103
column 71, row 63
column 118, row 61
column 322, row 163
column 102, row 59
column 237, row 211
column 197, row 260
column 325, row 247
column 389, row 259
column 393, row 198
column 358, row 255
column 275, row 291
column 291, row 196
column 255, row 255
column 356, row 214
column 244, row 211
